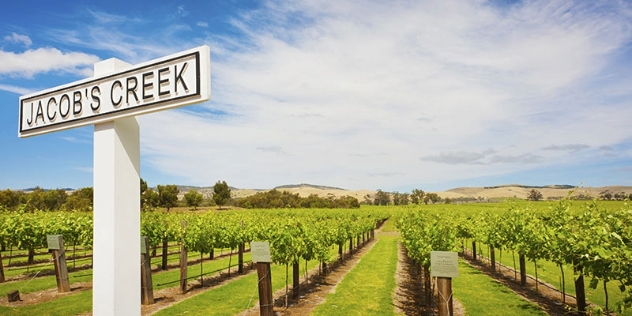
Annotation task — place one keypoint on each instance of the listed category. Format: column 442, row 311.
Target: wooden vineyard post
column 56, row 244
column 445, row 266
column 492, row 255
column 340, row 251
column 474, row 250
column 1, row 270
column 427, row 286
column 296, row 283
column 260, row 251
column 523, row 269
column 265, row 289
column 165, row 253
column 240, row 259
column 146, row 283
column 444, row 286
column 350, row 245
column 183, row 263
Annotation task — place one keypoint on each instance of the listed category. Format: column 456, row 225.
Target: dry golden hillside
column 504, row 191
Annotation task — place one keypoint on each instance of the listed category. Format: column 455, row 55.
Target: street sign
column 164, row 83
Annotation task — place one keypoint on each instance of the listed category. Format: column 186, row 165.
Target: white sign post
column 110, row 101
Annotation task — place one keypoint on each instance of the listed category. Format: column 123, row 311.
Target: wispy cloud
column 19, row 38
column 568, row 147
column 16, row 90
column 271, row 149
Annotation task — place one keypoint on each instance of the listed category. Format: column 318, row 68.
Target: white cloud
column 42, row 60
column 14, row 89
column 353, row 94
column 18, row 38
column 202, row 24
column 407, row 79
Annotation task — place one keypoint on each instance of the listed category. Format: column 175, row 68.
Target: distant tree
column 143, row 186
column 417, row 196
column 606, row 195
column 54, row 199
column 367, row 200
column 285, row 199
column 534, row 195
column 404, row 199
column 447, row 201
column 396, row 198
column 193, row 199
column 149, row 199
column 382, row 198
column 620, row 196
column 10, row 199
column 431, row 197
column 34, row 200
column 168, row 196
column 400, row 198
column 221, row 193
column 80, row 200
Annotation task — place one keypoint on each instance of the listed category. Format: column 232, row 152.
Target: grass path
column 481, row 295
column 368, row 288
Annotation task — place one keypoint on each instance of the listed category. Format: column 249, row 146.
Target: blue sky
column 355, row 94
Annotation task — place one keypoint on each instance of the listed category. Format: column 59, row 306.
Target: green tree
column 193, row 199
column 143, row 186
column 168, row 195
column 382, row 198
column 10, row 199
column 221, row 193
column 417, row 196
column 534, row 195
column 606, row 195
column 81, row 200
column 34, row 200
column 431, row 197
column 149, row 199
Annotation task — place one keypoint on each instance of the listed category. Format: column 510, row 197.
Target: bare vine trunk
column 580, row 291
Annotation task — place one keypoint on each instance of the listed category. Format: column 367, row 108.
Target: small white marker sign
column 260, row 251
column 444, row 264
column 168, row 82
column 53, row 242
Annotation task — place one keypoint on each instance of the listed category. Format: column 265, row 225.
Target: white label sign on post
column 444, row 264
column 172, row 81
column 260, row 251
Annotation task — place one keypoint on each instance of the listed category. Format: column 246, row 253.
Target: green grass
column 369, row 287
column 72, row 304
column 164, row 279
column 160, row 279
column 231, row 298
column 389, row 226
column 481, row 295
column 42, row 283
column 550, row 273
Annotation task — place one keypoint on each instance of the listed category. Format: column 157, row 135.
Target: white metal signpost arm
column 116, row 276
